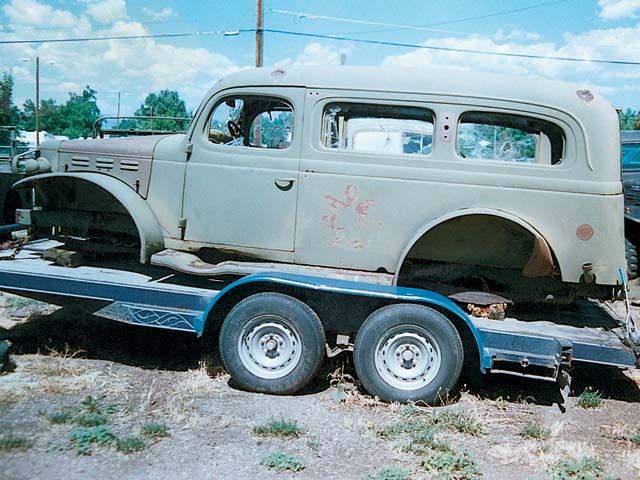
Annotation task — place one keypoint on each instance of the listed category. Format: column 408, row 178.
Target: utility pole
column 259, row 32
column 118, row 121
column 37, row 101
column 257, row 125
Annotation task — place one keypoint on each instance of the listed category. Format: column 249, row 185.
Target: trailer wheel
column 408, row 352
column 272, row 343
column 632, row 258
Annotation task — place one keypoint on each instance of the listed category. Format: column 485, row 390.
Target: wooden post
column 259, row 33
column 37, row 101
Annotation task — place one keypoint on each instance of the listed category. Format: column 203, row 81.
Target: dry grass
column 36, row 375
column 346, row 391
column 541, row 455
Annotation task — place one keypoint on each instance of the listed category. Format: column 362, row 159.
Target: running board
column 192, row 265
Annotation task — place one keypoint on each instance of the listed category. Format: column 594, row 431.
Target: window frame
column 224, row 96
column 377, row 103
column 516, row 113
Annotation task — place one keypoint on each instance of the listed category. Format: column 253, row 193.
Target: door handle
column 284, row 184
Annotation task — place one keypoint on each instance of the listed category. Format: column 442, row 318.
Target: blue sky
column 607, row 29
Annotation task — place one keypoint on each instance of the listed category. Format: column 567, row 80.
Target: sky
column 590, row 29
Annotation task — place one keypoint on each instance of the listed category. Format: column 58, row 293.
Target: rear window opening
column 378, row 129
column 509, row 138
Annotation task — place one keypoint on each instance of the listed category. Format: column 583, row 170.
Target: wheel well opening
column 471, row 246
column 74, row 207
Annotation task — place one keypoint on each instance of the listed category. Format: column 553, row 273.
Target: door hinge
column 188, row 149
column 182, row 226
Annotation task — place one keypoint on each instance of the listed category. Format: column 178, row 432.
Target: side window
column 381, row 129
column 509, row 138
column 252, row 121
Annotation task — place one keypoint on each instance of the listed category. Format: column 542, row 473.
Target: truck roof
column 552, row 93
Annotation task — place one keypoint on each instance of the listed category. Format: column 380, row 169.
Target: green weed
column 130, row 444
column 59, row 417
column 82, row 438
column 463, row 422
column 278, row 428
column 452, row 465
column 11, row 441
column 97, row 406
column 590, row 399
column 389, row 474
column 90, row 419
column 155, row 430
column 585, row 468
column 535, row 431
column 282, row 462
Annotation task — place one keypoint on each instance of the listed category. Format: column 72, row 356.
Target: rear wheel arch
column 540, row 262
column 146, row 224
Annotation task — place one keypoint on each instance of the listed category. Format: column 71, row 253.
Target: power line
column 450, row 49
column 396, row 26
column 331, row 37
column 128, row 37
column 426, row 27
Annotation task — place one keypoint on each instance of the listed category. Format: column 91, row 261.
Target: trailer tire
column 631, row 253
column 408, row 352
column 272, row 343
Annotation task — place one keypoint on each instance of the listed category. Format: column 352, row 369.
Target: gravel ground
column 135, row 377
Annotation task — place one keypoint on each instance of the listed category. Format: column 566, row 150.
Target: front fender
column 149, row 231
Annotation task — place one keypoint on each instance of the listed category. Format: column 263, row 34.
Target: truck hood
column 138, row 147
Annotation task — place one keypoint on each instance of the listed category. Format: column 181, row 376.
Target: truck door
column 241, row 184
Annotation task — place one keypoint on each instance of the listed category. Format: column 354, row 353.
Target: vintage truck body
column 494, row 183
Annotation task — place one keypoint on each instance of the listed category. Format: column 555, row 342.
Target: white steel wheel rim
column 269, row 347
column 408, row 357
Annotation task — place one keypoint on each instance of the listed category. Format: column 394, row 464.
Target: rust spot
column 584, row 232
column 337, row 217
column 540, row 263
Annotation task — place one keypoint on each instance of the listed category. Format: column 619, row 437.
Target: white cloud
column 317, row 53
column 135, row 67
column 616, row 9
column 107, row 11
column 33, row 13
column 595, row 44
column 166, row 12
column 515, row 34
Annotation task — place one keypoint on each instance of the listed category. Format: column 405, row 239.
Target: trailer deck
column 534, row 343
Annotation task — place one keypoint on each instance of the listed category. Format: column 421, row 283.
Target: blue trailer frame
column 534, row 348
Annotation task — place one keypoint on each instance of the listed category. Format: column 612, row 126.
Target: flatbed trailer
column 275, row 329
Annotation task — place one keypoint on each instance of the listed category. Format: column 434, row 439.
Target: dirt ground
column 156, row 406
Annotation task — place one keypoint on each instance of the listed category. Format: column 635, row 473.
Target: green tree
column 50, row 116
column 166, row 103
column 629, row 120
column 79, row 113
column 73, row 119
column 9, row 113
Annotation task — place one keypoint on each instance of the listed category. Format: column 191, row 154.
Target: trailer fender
column 151, row 238
column 345, row 287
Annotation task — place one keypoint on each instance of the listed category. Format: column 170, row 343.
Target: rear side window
column 509, row 138
column 377, row 129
